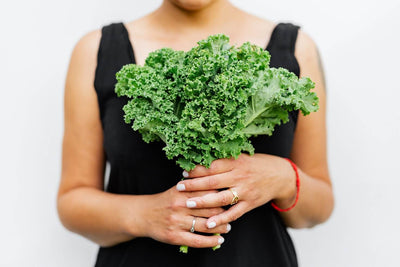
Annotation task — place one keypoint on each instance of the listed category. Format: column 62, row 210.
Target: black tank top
column 258, row 238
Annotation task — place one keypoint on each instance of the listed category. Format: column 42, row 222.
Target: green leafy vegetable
column 206, row 103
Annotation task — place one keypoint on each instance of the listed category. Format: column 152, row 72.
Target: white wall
column 359, row 43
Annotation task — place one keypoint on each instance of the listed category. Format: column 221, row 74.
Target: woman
column 145, row 212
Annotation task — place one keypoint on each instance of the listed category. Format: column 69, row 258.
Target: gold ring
column 235, row 198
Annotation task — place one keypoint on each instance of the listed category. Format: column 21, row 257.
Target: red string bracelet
column 297, row 191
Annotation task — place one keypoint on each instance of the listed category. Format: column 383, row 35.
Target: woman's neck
column 214, row 17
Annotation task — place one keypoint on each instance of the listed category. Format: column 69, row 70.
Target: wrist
column 288, row 189
column 134, row 215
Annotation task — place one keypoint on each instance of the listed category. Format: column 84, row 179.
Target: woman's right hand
column 165, row 218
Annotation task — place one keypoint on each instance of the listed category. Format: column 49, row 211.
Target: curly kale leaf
column 277, row 92
column 206, row 103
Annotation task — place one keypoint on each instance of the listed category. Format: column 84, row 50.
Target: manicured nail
column 211, row 225
column 190, row 204
column 221, row 240
column 180, row 187
column 185, row 174
column 228, row 227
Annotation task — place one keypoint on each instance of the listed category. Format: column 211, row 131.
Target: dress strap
column 282, row 47
column 114, row 51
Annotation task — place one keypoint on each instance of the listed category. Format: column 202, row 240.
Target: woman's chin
column 192, row 5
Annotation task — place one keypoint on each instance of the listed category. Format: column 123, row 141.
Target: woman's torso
column 259, row 238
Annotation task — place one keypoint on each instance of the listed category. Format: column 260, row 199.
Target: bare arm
column 83, row 206
column 309, row 148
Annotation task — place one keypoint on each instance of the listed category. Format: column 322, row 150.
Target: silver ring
column 193, row 224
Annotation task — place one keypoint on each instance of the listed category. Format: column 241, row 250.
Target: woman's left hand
column 256, row 179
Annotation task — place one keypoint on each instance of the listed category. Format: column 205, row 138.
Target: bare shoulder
column 83, row 62
column 306, row 50
column 81, row 72
column 304, row 41
column 86, row 48
column 256, row 29
column 90, row 40
column 258, row 24
column 261, row 21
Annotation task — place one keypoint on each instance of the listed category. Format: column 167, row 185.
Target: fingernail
column 228, row 227
column 211, row 224
column 185, row 174
column 180, row 187
column 190, row 204
column 221, row 240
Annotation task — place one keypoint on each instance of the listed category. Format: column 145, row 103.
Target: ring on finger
column 235, row 198
column 193, row 224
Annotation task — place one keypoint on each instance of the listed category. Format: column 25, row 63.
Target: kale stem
column 255, row 115
column 162, row 137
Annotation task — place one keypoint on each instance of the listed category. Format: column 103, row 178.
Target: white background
column 359, row 43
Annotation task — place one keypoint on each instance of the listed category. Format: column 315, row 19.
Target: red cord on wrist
column 297, row 191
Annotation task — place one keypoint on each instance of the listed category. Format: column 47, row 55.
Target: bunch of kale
column 206, row 103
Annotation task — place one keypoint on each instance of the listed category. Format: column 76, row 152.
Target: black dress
column 258, row 238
